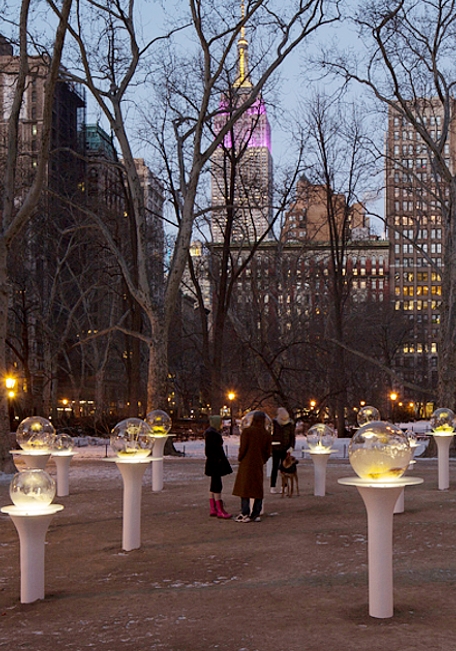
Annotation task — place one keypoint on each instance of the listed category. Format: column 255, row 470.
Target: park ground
column 297, row 581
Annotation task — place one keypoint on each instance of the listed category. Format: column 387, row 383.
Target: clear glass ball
column 63, row 443
column 379, row 450
column 32, row 489
column 320, row 438
column 367, row 414
column 442, row 421
column 412, row 438
column 35, row 433
column 248, row 418
column 159, row 422
column 132, row 438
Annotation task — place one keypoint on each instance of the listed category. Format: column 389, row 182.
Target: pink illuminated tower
column 242, row 201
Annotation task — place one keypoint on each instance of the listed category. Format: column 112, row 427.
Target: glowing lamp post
column 10, row 383
column 160, row 424
column 442, row 425
column 35, row 435
column 231, row 397
column 132, row 441
column 320, row 439
column 380, row 454
column 393, row 397
column 32, row 492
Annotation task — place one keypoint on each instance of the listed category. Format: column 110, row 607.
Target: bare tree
column 111, row 79
column 407, row 64
column 18, row 208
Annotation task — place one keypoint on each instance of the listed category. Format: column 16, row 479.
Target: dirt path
column 297, row 581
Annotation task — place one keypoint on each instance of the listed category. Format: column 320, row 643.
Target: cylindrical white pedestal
column 443, row 442
column 33, row 459
column 379, row 499
column 32, row 529
column 62, row 463
column 320, row 461
column 157, row 463
column 400, row 503
column 132, row 473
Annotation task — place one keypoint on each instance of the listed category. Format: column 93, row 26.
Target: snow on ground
column 94, row 448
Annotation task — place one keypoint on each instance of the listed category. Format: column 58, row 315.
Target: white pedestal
column 132, row 473
column 62, row 463
column 320, row 461
column 32, row 528
column 33, row 459
column 157, row 463
column 379, row 499
column 443, row 442
column 400, row 503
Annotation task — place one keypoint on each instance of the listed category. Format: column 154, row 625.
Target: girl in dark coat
column 254, row 451
column 217, row 466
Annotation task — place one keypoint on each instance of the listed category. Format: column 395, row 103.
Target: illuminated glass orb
column 32, row 489
column 132, row 438
column 63, row 443
column 442, row 421
column 412, row 438
column 159, row 422
column 367, row 414
column 320, row 438
column 248, row 418
column 379, row 450
column 35, row 434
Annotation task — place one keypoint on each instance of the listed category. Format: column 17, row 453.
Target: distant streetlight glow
column 231, row 397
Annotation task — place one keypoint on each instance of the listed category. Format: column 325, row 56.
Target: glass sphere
column 412, row 438
column 248, row 418
column 367, row 414
column 159, row 422
column 35, row 433
column 442, row 421
column 132, row 438
column 379, row 450
column 32, row 489
column 63, row 443
column 320, row 438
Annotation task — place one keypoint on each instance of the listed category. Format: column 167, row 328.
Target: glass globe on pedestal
column 32, row 489
column 367, row 414
column 248, row 418
column 35, row 434
column 160, row 422
column 443, row 421
column 62, row 444
column 379, row 451
column 132, row 438
column 320, row 438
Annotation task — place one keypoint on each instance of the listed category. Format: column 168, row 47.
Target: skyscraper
column 414, row 194
column 241, row 166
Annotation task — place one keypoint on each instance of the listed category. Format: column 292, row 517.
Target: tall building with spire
column 241, row 166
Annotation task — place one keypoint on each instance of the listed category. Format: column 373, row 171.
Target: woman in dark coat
column 254, row 451
column 217, row 466
column 283, row 438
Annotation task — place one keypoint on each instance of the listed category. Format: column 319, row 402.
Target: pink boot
column 221, row 513
column 214, row 512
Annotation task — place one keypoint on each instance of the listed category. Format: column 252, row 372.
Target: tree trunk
column 5, row 437
column 447, row 343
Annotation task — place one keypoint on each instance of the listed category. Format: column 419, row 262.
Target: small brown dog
column 289, row 475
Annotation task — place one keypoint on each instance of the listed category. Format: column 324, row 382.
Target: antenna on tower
column 243, row 79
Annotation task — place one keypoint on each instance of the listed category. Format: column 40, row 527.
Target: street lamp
column 10, row 383
column 231, row 397
column 393, row 397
